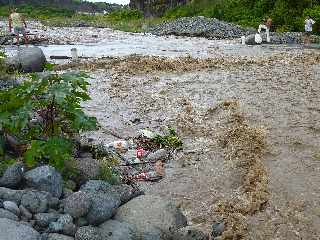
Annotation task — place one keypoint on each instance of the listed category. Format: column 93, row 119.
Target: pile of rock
column 277, row 38
column 34, row 206
column 201, row 27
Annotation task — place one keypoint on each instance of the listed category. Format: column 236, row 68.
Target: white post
column 243, row 40
column 74, row 54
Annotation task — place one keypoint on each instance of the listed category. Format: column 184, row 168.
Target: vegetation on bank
column 120, row 19
column 125, row 20
column 41, row 118
column 287, row 15
column 38, row 12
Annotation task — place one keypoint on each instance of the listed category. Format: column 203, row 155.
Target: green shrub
column 107, row 172
column 170, row 140
column 38, row 12
column 124, row 15
column 46, row 111
column 3, row 68
column 287, row 15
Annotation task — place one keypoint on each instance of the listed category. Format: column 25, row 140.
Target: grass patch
column 107, row 172
column 132, row 21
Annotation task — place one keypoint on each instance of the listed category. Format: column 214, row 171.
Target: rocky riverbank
column 34, row 205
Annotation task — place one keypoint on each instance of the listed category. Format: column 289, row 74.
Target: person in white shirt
column 265, row 26
column 308, row 23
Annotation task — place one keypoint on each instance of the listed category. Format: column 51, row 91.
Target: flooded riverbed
column 108, row 43
column 257, row 94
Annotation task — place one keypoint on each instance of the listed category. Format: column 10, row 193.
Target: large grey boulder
column 89, row 167
column 44, row 219
column 12, row 230
column 30, row 59
column 122, row 191
column 7, row 214
column 45, row 178
column 96, row 186
column 12, row 207
column 77, row 205
column 104, row 201
column 63, row 225
column 115, row 230
column 88, row 233
column 189, row 233
column 35, row 201
column 55, row 236
column 103, row 207
column 25, row 213
column 12, row 176
column 7, row 194
column 150, row 213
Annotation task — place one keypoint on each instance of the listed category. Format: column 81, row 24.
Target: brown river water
column 263, row 102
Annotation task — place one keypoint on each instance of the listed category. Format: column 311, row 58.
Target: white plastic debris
column 147, row 133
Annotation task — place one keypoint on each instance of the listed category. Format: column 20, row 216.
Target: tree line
column 287, row 15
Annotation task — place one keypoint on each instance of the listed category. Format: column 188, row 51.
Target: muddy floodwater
column 249, row 118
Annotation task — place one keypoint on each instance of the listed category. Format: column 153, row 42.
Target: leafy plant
column 54, row 151
column 107, row 172
column 171, row 140
column 3, row 68
column 4, row 164
column 46, row 111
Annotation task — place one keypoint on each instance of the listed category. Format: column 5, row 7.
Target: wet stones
column 35, row 202
column 88, row 233
column 12, row 230
column 25, row 214
column 30, row 59
column 115, row 230
column 200, row 27
column 12, row 207
column 44, row 219
column 7, row 194
column 12, row 176
column 45, row 178
column 77, row 205
column 149, row 214
column 83, row 215
column 8, row 215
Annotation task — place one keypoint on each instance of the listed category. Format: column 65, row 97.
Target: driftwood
column 65, row 57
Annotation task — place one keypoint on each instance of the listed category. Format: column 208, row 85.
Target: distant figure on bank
column 18, row 25
column 265, row 27
column 308, row 29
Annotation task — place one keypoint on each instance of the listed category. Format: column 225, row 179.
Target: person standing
column 265, row 26
column 308, row 23
column 18, row 25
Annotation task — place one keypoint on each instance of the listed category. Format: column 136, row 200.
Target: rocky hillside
column 155, row 8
